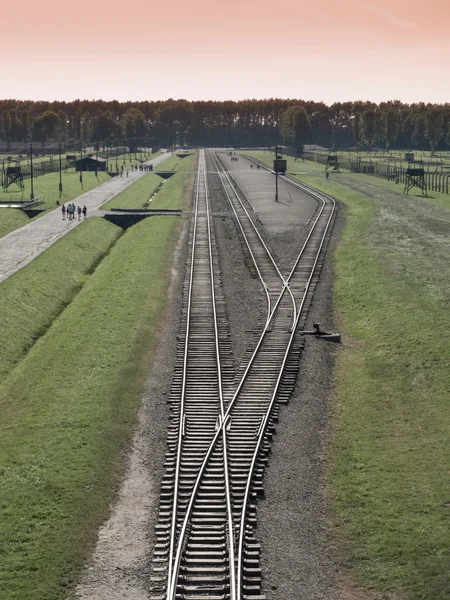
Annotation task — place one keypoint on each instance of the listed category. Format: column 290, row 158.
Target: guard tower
column 332, row 162
column 299, row 153
column 415, row 177
column 13, row 176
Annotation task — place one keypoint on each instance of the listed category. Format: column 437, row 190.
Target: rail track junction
column 222, row 417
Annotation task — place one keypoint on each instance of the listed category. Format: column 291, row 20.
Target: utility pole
column 276, row 173
column 31, row 171
column 60, row 172
column 81, row 162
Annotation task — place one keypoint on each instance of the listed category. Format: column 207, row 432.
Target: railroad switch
column 324, row 335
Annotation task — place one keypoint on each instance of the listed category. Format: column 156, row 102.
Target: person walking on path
column 63, row 210
column 79, row 213
column 84, row 211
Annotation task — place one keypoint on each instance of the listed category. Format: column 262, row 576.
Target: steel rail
column 225, row 416
column 172, row 585
column 222, row 173
column 263, row 427
column 183, row 393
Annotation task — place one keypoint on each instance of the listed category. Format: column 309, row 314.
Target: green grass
column 172, row 193
column 175, row 163
column 398, row 157
column 10, row 219
column 388, row 461
column 69, row 408
column 136, row 195
column 48, row 186
column 361, row 181
column 33, row 297
column 389, row 453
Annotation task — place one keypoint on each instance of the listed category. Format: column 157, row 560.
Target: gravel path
column 19, row 247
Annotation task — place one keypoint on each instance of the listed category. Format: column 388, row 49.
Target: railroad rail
column 206, row 545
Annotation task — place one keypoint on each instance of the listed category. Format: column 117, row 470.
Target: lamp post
column 107, row 169
column 81, row 162
column 276, row 173
column 60, row 172
column 31, row 171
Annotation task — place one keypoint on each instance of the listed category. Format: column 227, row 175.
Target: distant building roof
column 99, row 159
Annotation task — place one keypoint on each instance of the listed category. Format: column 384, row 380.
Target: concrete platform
column 19, row 247
column 293, row 209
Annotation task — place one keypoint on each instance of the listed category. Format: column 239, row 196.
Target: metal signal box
column 279, row 165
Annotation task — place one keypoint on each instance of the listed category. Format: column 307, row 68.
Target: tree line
column 389, row 125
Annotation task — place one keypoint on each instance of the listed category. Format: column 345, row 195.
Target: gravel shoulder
column 292, row 519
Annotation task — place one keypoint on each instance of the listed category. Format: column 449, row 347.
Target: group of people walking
column 72, row 210
column 133, row 168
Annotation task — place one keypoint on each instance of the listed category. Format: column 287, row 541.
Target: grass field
column 69, row 406
column 304, row 168
column 36, row 295
column 389, row 455
column 175, row 163
column 137, row 195
column 397, row 157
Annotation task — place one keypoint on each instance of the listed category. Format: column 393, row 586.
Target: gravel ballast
column 292, row 517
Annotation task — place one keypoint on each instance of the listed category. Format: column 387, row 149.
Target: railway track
column 218, row 451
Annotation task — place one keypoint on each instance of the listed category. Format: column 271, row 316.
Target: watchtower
column 332, row 162
column 299, row 153
column 415, row 177
column 13, row 176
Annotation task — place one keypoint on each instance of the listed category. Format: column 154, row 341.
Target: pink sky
column 330, row 50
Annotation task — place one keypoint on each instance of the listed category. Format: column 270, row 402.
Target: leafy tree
column 7, row 126
column 86, row 126
column 390, row 127
column 134, row 126
column 105, row 127
column 369, row 119
column 356, row 126
column 26, row 122
column 434, row 127
column 175, row 119
column 418, row 139
column 295, row 126
column 46, row 126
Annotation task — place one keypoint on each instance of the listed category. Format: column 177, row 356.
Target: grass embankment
column 169, row 192
column 10, row 219
column 35, row 295
column 177, row 163
column 170, row 195
column 69, row 408
column 389, row 456
column 48, row 186
column 137, row 195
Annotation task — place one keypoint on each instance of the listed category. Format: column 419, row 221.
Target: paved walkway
column 19, row 247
